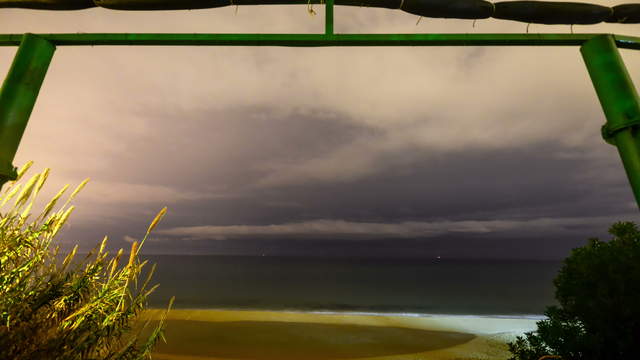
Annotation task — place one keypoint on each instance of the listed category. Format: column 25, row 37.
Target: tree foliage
column 598, row 291
column 70, row 309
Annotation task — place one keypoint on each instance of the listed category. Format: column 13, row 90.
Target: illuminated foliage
column 72, row 308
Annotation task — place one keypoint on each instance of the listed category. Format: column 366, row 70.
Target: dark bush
column 598, row 291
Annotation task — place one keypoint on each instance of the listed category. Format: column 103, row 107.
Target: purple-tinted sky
column 452, row 151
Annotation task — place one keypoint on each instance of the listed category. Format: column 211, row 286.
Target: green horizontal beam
column 311, row 40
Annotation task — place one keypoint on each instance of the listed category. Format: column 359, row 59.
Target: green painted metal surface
column 18, row 96
column 328, row 18
column 312, row 40
column 619, row 101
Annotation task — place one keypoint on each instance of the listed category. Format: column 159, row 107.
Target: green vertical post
column 18, row 96
column 619, row 101
column 328, row 17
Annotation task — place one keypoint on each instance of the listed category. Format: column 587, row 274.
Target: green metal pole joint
column 614, row 87
column 620, row 103
column 18, row 96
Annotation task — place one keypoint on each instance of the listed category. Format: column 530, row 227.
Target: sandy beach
column 271, row 335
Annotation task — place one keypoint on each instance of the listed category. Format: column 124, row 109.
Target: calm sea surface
column 465, row 287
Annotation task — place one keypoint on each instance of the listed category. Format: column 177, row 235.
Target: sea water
column 507, row 288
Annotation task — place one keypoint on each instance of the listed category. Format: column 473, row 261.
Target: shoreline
column 536, row 317
column 213, row 334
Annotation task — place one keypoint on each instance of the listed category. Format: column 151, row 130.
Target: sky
column 474, row 152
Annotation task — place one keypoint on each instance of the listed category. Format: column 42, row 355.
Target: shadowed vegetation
column 598, row 289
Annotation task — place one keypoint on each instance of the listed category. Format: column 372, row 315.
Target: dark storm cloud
column 515, row 186
column 197, row 146
column 511, row 199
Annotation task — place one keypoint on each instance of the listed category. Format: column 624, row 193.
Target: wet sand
column 269, row 335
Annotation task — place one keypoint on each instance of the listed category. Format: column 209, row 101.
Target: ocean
column 509, row 288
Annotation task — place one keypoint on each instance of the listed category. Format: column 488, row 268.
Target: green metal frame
column 322, row 40
column 18, row 96
column 619, row 101
column 609, row 75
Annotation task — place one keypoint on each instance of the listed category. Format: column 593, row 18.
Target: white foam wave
column 402, row 314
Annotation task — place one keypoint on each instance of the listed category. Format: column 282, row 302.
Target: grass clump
column 72, row 308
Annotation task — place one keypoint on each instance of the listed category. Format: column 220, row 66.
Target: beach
column 282, row 335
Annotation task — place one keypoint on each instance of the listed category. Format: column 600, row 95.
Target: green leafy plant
column 598, row 290
column 70, row 309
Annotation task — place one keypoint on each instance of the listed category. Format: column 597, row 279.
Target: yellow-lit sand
column 266, row 335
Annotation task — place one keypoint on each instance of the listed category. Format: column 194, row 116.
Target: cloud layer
column 355, row 142
column 324, row 229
